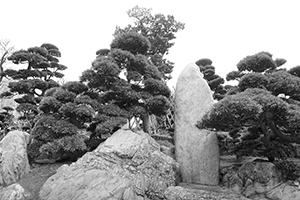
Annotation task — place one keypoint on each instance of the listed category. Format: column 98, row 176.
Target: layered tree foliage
column 262, row 114
column 65, row 111
column 129, row 84
column 6, row 120
column 160, row 30
column 39, row 69
column 214, row 81
column 261, row 62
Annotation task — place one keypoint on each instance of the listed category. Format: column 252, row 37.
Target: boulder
column 284, row 191
column 253, row 179
column 12, row 192
column 166, row 143
column 126, row 166
column 170, row 151
column 196, row 151
column 191, row 192
column 13, row 157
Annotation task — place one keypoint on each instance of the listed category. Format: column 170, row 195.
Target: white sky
column 223, row 30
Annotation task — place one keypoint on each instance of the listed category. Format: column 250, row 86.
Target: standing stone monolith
column 196, row 151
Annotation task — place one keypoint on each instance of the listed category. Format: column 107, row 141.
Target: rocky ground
column 38, row 175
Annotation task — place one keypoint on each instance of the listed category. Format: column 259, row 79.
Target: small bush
column 68, row 147
column 131, row 41
column 289, row 169
column 6, row 121
column 33, row 150
column 49, row 104
column 75, row 87
column 64, row 96
column 48, row 128
column 56, row 139
column 158, row 105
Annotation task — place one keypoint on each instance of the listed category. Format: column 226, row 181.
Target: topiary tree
column 128, row 83
column 65, row 111
column 160, row 30
column 262, row 114
column 214, row 81
column 261, row 62
column 38, row 76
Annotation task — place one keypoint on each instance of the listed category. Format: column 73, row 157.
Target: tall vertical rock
column 14, row 162
column 196, row 150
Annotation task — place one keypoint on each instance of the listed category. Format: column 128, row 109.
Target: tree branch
column 266, row 134
column 281, row 135
column 3, row 59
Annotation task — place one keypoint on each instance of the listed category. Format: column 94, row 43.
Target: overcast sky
column 223, row 30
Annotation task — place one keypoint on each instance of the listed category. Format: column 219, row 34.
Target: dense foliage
column 160, row 30
column 129, row 84
column 214, row 81
column 126, row 82
column 130, row 76
column 262, row 113
column 6, row 120
column 64, row 112
column 41, row 68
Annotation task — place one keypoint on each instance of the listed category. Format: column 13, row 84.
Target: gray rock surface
column 166, row 143
column 196, row 151
column 12, row 192
column 200, row 192
column 284, row 191
column 13, row 157
column 253, row 179
column 126, row 166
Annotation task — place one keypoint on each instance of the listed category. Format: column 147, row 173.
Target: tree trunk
column 146, row 123
column 153, row 124
column 266, row 134
column 284, row 137
column 1, row 66
column 267, row 141
column 1, row 73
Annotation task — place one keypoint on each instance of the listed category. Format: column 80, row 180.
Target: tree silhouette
column 41, row 68
column 64, row 111
column 129, row 84
column 214, row 81
column 160, row 30
column 262, row 114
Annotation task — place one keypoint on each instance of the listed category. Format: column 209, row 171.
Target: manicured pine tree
column 263, row 111
column 129, row 84
column 40, row 68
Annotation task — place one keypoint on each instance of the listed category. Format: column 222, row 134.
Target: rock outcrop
column 196, row 151
column 126, row 166
column 12, row 192
column 166, row 143
column 197, row 192
column 253, row 179
column 284, row 191
column 13, row 157
column 260, row 181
